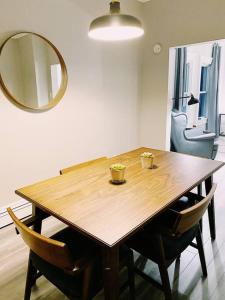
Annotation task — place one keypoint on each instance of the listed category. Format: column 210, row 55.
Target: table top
column 85, row 199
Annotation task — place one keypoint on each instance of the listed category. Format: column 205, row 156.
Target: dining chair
column 81, row 165
column 68, row 260
column 164, row 240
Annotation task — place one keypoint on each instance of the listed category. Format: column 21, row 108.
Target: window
column 186, row 81
column 186, row 86
column 203, row 92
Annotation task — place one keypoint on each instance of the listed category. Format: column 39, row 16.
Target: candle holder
column 147, row 160
column 117, row 173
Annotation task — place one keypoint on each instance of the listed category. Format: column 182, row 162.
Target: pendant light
column 115, row 26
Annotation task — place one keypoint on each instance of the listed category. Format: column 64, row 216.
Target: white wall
column 99, row 112
column 171, row 23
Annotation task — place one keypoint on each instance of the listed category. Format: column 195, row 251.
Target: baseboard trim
column 22, row 208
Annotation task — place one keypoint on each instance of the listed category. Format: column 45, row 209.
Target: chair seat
column 183, row 203
column 80, row 247
column 165, row 238
column 78, row 244
column 70, row 285
column 146, row 243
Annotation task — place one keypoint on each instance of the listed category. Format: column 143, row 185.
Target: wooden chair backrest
column 52, row 251
column 84, row 164
column 191, row 216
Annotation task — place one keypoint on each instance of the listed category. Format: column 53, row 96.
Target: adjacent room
column 198, row 105
column 112, row 131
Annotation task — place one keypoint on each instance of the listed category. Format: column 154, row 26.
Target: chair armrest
column 207, row 131
column 208, row 136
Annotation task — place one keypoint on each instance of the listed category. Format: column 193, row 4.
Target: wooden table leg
column 199, row 187
column 211, row 209
column 38, row 223
column 111, row 272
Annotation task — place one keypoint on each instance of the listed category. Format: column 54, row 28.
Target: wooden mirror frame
column 61, row 90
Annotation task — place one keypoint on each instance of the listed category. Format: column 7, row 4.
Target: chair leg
column 140, row 263
column 163, row 271
column 38, row 223
column 211, row 208
column 131, row 280
column 31, row 279
column 201, row 252
column 199, row 188
column 201, row 225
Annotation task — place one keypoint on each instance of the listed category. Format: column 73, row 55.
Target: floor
column 185, row 275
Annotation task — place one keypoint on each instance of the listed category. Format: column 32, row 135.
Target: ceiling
column 143, row 1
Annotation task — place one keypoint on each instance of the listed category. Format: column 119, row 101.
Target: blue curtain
column 180, row 79
column 213, row 85
column 203, row 92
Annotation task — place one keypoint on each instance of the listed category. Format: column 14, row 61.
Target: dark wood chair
column 165, row 239
column 68, row 260
column 81, row 165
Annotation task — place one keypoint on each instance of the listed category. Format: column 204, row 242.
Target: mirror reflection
column 32, row 71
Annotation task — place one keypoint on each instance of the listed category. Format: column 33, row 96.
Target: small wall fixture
column 192, row 100
column 115, row 26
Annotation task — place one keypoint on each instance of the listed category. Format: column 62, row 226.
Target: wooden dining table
column 109, row 214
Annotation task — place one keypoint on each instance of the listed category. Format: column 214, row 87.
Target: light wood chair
column 164, row 240
column 37, row 220
column 82, row 165
column 68, row 260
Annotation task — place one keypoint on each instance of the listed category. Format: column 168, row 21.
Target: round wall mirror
column 32, row 71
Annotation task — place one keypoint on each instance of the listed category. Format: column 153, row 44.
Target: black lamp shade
column 193, row 100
